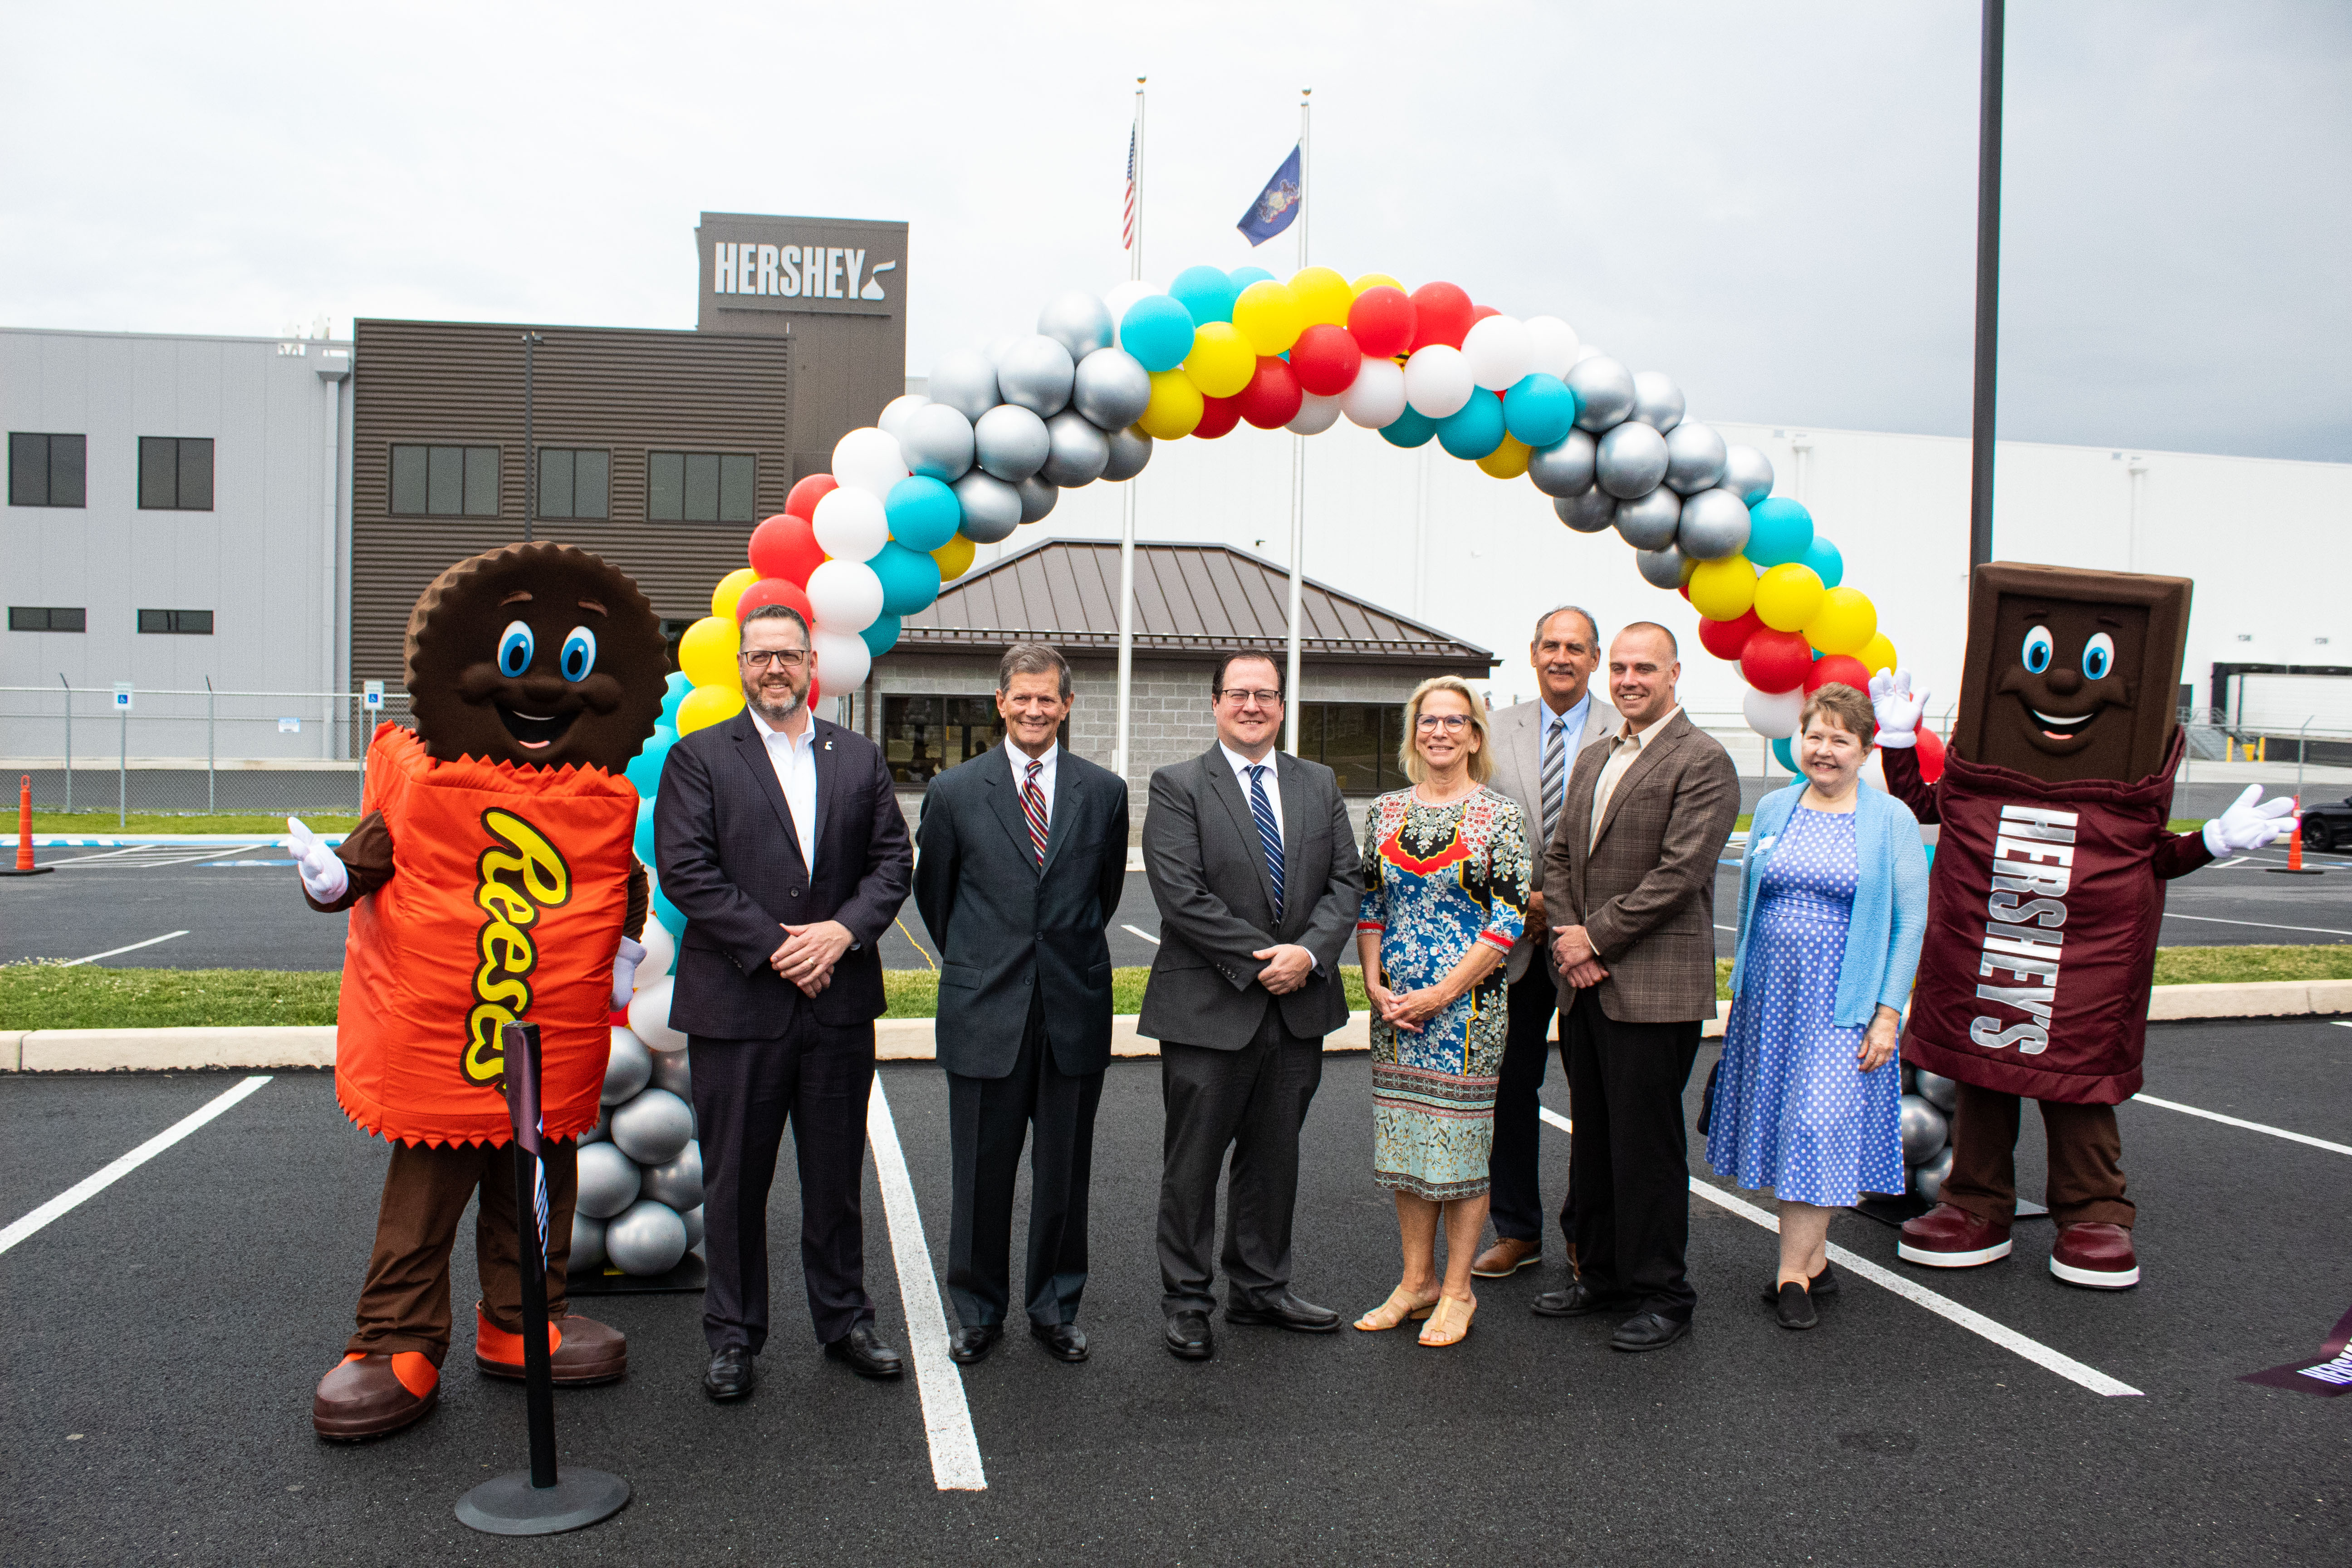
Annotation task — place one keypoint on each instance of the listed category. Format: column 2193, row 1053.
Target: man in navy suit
column 1023, row 857
column 779, row 837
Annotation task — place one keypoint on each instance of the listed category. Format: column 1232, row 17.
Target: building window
column 699, row 487
column 45, row 471
column 47, row 617
column 178, row 623
column 574, row 483
column 1356, row 741
column 444, row 481
column 922, row 737
column 175, row 473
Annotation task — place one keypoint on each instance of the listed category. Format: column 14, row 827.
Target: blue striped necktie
column 1269, row 831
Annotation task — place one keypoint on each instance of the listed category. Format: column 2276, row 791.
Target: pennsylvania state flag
column 1277, row 207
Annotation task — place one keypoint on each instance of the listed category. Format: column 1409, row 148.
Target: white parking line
column 2249, row 1126
column 1145, row 935
column 1944, row 1307
column 111, row 952
column 91, row 1186
column 2258, row 925
column 947, row 1417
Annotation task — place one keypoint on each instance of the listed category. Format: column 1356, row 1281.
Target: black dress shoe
column 1578, row 1300
column 968, row 1345
column 1825, row 1283
column 1284, row 1311
column 867, row 1356
column 1066, row 1341
column 1189, row 1336
column 730, row 1374
column 1796, row 1307
column 1648, row 1332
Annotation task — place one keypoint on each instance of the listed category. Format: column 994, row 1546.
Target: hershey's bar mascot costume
column 2046, row 892
column 490, row 879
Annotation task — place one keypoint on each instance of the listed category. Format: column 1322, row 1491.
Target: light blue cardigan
column 1890, row 898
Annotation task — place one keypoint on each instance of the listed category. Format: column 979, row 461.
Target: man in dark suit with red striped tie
column 1023, row 853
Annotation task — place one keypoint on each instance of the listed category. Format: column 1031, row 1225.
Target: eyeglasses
column 1237, row 695
column 1452, row 723
column 783, row 657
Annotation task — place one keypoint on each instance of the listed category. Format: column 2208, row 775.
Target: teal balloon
column 1780, row 532
column 1158, row 332
column 674, row 693
column 881, row 634
column 1476, row 428
column 910, row 578
column 1206, row 293
column 1827, row 564
column 924, row 513
column 1244, row 277
column 1783, row 756
column 1539, row 410
column 644, row 769
column 643, row 842
column 1410, row 429
column 672, row 921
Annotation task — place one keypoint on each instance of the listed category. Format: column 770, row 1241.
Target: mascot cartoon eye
column 515, row 648
column 2098, row 657
column 2038, row 649
column 579, row 655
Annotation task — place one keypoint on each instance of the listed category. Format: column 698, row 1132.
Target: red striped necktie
column 1032, row 803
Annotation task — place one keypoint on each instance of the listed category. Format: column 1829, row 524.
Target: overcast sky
column 1775, row 202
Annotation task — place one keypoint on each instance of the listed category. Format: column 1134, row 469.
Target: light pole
column 1988, row 288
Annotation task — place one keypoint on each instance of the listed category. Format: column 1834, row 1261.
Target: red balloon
column 1776, row 661
column 1725, row 640
column 1837, row 669
column 1381, row 321
column 1219, row 416
column 1442, row 313
column 1931, row 755
column 1480, row 312
column 785, row 546
column 802, row 501
column 775, row 590
column 1327, row 358
column 1271, row 400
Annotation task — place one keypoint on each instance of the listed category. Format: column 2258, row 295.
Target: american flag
column 1127, row 242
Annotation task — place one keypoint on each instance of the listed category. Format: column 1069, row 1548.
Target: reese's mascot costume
column 490, row 879
column 2046, row 893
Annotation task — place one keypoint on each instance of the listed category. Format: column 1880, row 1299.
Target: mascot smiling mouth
column 535, row 732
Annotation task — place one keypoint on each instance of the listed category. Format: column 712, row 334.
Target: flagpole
column 1297, row 468
column 1127, row 497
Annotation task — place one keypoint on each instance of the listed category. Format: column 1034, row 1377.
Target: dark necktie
column 1269, row 831
column 1032, row 805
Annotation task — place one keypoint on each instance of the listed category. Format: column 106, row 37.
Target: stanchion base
column 510, row 1505
column 691, row 1274
column 1888, row 1209
column 26, row 871
column 2295, row 870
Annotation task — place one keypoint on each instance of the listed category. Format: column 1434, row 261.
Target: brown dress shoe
column 369, row 1395
column 1949, row 1237
column 583, row 1350
column 2097, row 1256
column 1506, row 1258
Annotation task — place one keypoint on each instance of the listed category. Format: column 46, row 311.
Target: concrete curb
column 910, row 1039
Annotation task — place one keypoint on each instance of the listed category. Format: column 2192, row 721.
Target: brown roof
column 1188, row 598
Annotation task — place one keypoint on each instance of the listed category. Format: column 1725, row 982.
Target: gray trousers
column 1253, row 1101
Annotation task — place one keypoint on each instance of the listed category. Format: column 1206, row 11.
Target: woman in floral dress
column 1447, row 874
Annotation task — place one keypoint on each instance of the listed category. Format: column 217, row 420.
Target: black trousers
column 1516, row 1187
column 988, row 1120
column 1629, row 1168
column 1253, row 1101
column 818, row 1079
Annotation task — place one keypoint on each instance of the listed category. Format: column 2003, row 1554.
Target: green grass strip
column 107, row 825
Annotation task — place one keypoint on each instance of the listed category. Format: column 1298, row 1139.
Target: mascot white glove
column 1895, row 709
column 624, row 970
column 2246, row 825
column 322, row 871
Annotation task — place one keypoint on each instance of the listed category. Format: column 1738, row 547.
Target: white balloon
column 1317, row 414
column 1377, row 396
column 868, row 460
column 1551, row 345
column 1585, row 351
column 842, row 660
column 1498, row 352
column 650, row 1017
column 1118, row 299
column 846, row 595
column 1437, row 381
column 851, row 524
column 896, row 412
column 661, row 951
column 1773, row 714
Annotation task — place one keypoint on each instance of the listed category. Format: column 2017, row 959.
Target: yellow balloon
column 707, row 652
column 1508, row 461
column 1377, row 280
column 707, row 705
column 1323, row 296
column 1846, row 622
column 954, row 558
column 1267, row 314
column 1877, row 654
column 1220, row 363
column 1787, row 596
column 1722, row 590
column 723, row 599
column 1175, row 406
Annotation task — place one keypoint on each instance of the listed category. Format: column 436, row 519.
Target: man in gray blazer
column 1537, row 745
column 1254, row 867
column 1024, row 856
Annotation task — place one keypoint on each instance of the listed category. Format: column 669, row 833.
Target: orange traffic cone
column 2294, row 866
column 24, row 866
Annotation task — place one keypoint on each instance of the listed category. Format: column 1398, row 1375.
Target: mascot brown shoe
column 369, row 1395
column 1949, row 1237
column 581, row 1350
column 2095, row 1257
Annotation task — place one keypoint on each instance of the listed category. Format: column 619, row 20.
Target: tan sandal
column 1396, row 1309
column 1451, row 1324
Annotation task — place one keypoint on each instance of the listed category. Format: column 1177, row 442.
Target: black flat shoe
column 1577, row 1300
column 1825, row 1283
column 966, row 1346
column 867, row 1356
column 730, row 1374
column 1189, row 1337
column 1796, row 1305
column 1285, row 1312
column 1067, row 1341
column 1648, row 1332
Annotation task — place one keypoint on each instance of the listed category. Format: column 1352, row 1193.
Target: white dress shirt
column 794, row 759
column 1021, row 760
column 1242, row 766
column 1621, row 756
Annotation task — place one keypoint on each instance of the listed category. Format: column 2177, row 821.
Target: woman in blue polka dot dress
column 1833, row 906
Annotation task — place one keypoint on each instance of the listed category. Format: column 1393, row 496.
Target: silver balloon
column 1079, row 322
column 1111, row 388
column 602, row 1132
column 936, row 440
column 1648, row 523
column 1011, row 443
column 587, row 1244
column 1564, row 468
column 1927, row 1178
column 965, row 381
column 1590, row 512
column 647, row 1239
column 672, row 1072
column 991, row 509
column 1660, row 568
column 1924, row 1129
column 999, row 347
column 693, row 1219
column 1630, row 460
column 1714, row 525
column 609, row 1180
column 652, row 1128
column 627, row 1069
column 1937, row 1089
column 1080, row 450
column 1747, row 473
column 1603, row 388
column 1038, row 497
column 678, row 1182
column 1657, row 401
column 1036, row 375
column 1694, row 455
column 1129, row 449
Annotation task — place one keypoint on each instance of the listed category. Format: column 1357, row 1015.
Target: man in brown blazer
column 1629, row 884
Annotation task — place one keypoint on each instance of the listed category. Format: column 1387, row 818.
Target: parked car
column 2326, row 823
